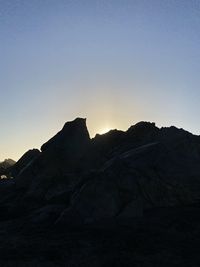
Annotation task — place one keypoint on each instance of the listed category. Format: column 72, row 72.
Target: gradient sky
column 115, row 62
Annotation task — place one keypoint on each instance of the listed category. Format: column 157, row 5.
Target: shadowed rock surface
column 120, row 199
column 24, row 161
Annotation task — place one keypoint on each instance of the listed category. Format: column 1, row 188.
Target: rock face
column 53, row 174
column 64, row 152
column 72, row 137
column 115, row 175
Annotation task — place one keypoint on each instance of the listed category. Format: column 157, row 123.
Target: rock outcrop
column 119, row 199
column 53, row 174
column 71, row 138
column 114, row 175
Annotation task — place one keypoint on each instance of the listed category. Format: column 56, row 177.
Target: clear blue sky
column 115, row 62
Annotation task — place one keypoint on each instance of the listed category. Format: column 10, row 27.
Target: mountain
column 107, row 181
column 117, row 174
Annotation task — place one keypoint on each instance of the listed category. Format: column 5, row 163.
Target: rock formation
column 114, row 175
column 116, row 199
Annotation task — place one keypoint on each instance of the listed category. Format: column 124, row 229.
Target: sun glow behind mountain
column 114, row 62
column 104, row 130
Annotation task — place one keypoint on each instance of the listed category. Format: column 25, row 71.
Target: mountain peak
column 75, row 132
column 76, row 122
column 142, row 128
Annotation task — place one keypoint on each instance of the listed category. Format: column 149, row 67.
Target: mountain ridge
column 123, row 168
column 115, row 198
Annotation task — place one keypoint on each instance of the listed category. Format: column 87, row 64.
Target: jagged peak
column 75, row 129
column 78, row 122
column 142, row 127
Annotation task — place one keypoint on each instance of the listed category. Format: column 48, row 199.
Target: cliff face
column 115, row 175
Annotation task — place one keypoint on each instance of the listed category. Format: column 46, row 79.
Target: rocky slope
column 115, row 175
column 120, row 199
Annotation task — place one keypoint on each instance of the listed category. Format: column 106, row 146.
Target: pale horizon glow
column 104, row 130
column 114, row 62
column 92, row 132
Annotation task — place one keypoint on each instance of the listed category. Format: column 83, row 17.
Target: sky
column 114, row 62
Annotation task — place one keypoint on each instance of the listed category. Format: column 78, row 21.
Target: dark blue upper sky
column 114, row 62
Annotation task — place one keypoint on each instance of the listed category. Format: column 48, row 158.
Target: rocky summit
column 119, row 199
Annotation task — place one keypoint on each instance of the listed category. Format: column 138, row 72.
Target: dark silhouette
column 120, row 199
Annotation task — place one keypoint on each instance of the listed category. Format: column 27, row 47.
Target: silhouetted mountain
column 116, row 177
column 117, row 174
column 73, row 136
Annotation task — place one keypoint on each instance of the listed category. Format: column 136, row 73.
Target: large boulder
column 129, row 184
column 73, row 136
column 57, row 169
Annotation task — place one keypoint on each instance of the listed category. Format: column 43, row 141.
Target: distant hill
column 5, row 167
column 7, row 163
